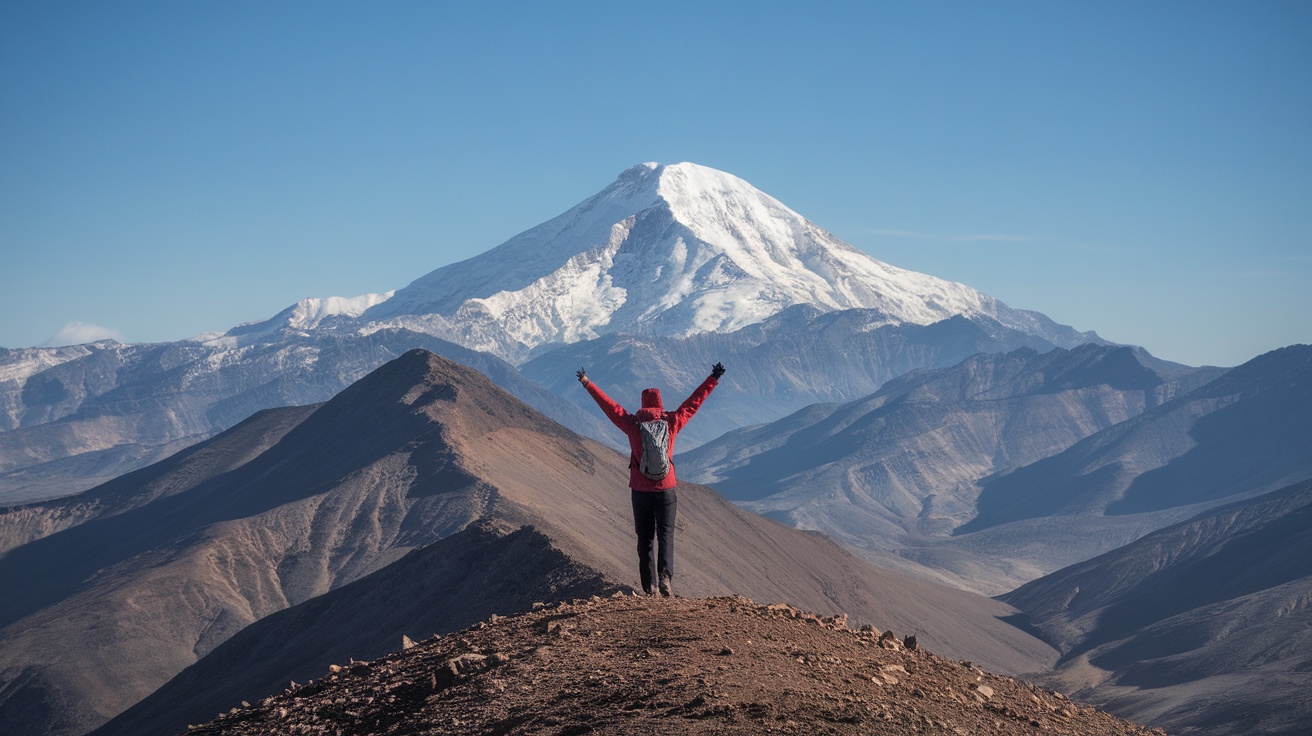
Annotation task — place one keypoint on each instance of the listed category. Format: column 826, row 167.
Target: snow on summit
column 668, row 250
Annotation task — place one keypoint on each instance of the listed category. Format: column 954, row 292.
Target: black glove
column 717, row 370
column 582, row 373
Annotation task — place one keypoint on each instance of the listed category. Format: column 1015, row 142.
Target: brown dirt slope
column 481, row 571
column 629, row 664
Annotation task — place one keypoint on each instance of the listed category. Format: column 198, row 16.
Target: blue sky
column 1139, row 169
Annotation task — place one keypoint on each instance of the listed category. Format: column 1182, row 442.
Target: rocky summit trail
column 638, row 665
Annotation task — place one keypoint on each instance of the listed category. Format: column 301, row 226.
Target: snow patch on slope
column 19, row 364
column 307, row 314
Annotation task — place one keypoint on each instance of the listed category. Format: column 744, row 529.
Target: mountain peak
column 428, row 388
column 692, row 191
column 681, row 171
column 670, row 249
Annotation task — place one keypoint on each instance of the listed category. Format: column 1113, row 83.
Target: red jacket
column 651, row 409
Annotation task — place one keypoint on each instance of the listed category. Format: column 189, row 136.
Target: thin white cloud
column 80, row 333
column 941, row 238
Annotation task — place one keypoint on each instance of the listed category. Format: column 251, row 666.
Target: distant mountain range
column 967, row 474
column 421, row 496
column 1241, row 434
column 797, row 358
column 83, row 415
column 1203, row 626
column 255, row 495
column 691, row 261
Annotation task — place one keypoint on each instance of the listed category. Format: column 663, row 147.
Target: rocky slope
column 626, row 665
column 895, row 473
column 1202, row 627
column 114, row 593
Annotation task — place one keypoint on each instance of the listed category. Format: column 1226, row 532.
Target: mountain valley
column 1202, row 627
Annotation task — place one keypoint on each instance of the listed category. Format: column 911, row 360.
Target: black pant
column 653, row 518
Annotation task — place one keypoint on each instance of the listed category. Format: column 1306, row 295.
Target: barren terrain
column 630, row 664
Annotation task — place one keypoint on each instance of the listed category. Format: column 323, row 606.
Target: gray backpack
column 655, row 460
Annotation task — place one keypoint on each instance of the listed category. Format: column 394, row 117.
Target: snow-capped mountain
column 671, row 250
column 694, row 261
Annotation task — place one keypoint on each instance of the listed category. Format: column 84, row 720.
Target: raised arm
column 618, row 415
column 694, row 402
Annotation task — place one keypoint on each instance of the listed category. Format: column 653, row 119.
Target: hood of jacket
column 651, row 405
column 651, row 399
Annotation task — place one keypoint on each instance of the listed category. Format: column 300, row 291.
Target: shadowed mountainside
column 486, row 569
column 1202, row 627
column 895, row 473
column 1242, row 434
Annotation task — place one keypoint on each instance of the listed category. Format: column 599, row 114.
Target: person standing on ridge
column 651, row 432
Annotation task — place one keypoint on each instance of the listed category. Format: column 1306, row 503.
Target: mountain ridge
column 895, row 472
column 1199, row 627
column 318, row 499
column 1189, row 443
column 115, row 407
column 796, row 358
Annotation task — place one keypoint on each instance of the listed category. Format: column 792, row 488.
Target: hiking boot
column 667, row 586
